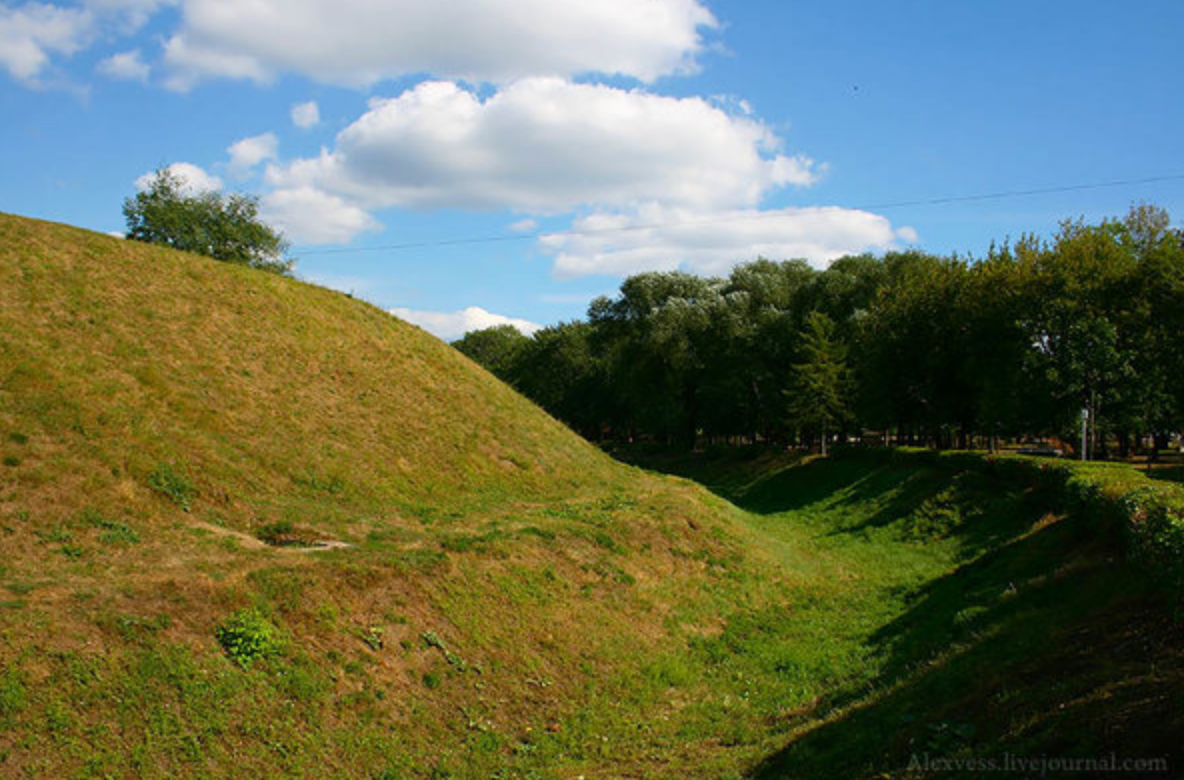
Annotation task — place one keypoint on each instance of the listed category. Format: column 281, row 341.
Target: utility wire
column 535, row 235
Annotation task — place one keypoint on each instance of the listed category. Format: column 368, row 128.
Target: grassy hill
column 163, row 417
column 252, row 527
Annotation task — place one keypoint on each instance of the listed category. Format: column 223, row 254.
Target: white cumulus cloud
column 451, row 325
column 32, row 33
column 126, row 65
column 309, row 216
column 545, row 145
column 247, row 153
column 306, row 115
column 662, row 238
column 194, row 179
column 360, row 42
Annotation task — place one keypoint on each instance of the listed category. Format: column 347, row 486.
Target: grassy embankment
column 180, row 440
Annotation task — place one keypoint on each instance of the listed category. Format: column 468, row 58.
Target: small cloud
column 249, row 152
column 125, row 66
column 450, row 326
column 310, row 216
column 306, row 115
column 658, row 238
column 524, row 226
column 194, row 180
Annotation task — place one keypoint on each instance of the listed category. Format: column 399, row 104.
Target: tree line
column 908, row 347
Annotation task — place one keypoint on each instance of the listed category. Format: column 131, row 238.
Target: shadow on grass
column 1045, row 644
column 767, row 481
column 1171, row 474
column 1078, row 664
column 858, row 494
column 1041, row 644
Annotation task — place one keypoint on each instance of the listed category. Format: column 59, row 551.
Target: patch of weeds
column 23, row 588
column 247, row 636
column 119, row 534
column 432, row 680
column 18, row 438
column 111, row 531
column 11, row 461
column 542, row 533
column 373, row 638
column 433, row 640
column 14, row 604
column 59, row 534
column 172, row 484
column 72, row 552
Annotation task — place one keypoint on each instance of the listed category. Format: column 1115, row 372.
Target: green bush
column 248, row 636
column 1145, row 517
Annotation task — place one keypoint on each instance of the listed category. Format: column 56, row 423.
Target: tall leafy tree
column 821, row 380
column 224, row 227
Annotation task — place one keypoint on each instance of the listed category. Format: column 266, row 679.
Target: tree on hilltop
column 224, row 227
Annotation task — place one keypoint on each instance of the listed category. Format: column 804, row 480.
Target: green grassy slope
column 161, row 413
column 955, row 617
column 461, row 588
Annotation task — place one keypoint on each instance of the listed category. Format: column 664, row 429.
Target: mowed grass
column 257, row 528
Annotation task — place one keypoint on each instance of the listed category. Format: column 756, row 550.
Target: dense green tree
column 939, row 350
column 224, row 227
column 558, row 370
column 496, row 349
column 821, row 380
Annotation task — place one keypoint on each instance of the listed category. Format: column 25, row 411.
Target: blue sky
column 592, row 140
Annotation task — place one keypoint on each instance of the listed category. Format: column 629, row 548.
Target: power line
column 535, row 235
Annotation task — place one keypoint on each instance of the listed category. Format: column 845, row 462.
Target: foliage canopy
column 224, row 227
column 932, row 349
